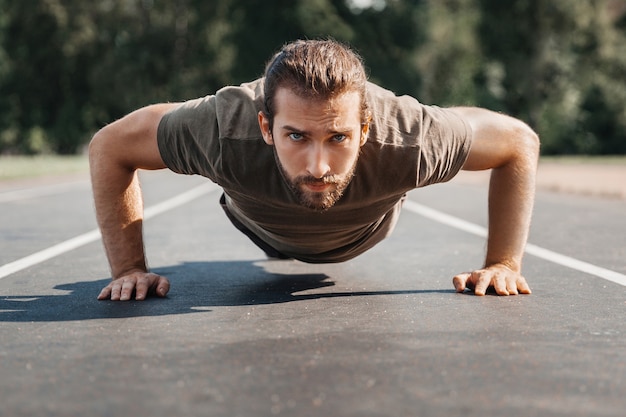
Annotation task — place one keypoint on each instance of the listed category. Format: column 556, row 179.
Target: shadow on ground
column 196, row 287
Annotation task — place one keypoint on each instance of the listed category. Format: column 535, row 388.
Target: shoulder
column 236, row 110
column 248, row 92
column 231, row 112
column 247, row 96
column 404, row 120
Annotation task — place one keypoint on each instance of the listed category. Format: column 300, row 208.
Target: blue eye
column 295, row 137
column 339, row 138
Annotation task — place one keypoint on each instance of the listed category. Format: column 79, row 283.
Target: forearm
column 511, row 197
column 510, row 149
column 119, row 211
column 115, row 154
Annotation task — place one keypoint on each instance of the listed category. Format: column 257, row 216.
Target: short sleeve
column 415, row 144
column 187, row 137
column 198, row 135
column 445, row 146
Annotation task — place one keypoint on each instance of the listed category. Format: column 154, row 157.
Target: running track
column 383, row 334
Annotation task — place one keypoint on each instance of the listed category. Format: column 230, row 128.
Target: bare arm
column 115, row 154
column 511, row 149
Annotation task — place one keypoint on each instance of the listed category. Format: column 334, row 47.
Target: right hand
column 141, row 283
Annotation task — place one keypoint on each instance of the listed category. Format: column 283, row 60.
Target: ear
column 365, row 129
column 264, row 124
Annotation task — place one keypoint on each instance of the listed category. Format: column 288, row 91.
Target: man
column 314, row 162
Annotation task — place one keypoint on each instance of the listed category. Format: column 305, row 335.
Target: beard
column 318, row 201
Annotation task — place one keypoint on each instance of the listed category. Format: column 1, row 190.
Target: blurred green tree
column 68, row 67
column 40, row 86
column 561, row 66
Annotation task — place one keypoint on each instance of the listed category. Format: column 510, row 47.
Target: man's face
column 316, row 143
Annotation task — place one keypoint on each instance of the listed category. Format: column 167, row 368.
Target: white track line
column 534, row 250
column 92, row 236
column 81, row 240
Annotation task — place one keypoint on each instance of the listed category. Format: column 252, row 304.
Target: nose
column 318, row 163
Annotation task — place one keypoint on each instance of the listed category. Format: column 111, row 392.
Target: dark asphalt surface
column 239, row 335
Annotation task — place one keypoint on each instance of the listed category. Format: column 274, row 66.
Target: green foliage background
column 68, row 67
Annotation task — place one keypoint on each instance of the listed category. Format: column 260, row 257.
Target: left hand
column 501, row 278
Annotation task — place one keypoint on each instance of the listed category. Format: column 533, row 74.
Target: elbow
column 529, row 144
column 97, row 149
column 93, row 151
column 94, row 146
column 104, row 152
column 524, row 156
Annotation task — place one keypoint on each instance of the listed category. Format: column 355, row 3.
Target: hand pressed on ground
column 142, row 284
column 501, row 278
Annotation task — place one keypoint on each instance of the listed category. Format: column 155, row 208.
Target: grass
column 18, row 167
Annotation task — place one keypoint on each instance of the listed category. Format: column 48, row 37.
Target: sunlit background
column 68, row 67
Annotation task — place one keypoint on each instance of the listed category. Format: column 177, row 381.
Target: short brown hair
column 317, row 69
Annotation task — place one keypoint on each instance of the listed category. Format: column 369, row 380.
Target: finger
column 499, row 283
column 522, row 286
column 141, row 288
column 511, row 285
column 482, row 281
column 163, row 287
column 459, row 281
column 159, row 285
column 127, row 289
column 116, row 290
column 105, row 293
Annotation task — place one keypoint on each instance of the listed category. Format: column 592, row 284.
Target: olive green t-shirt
column 409, row 145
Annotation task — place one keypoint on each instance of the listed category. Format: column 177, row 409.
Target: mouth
column 317, row 187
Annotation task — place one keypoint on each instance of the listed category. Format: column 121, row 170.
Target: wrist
column 512, row 265
column 117, row 274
